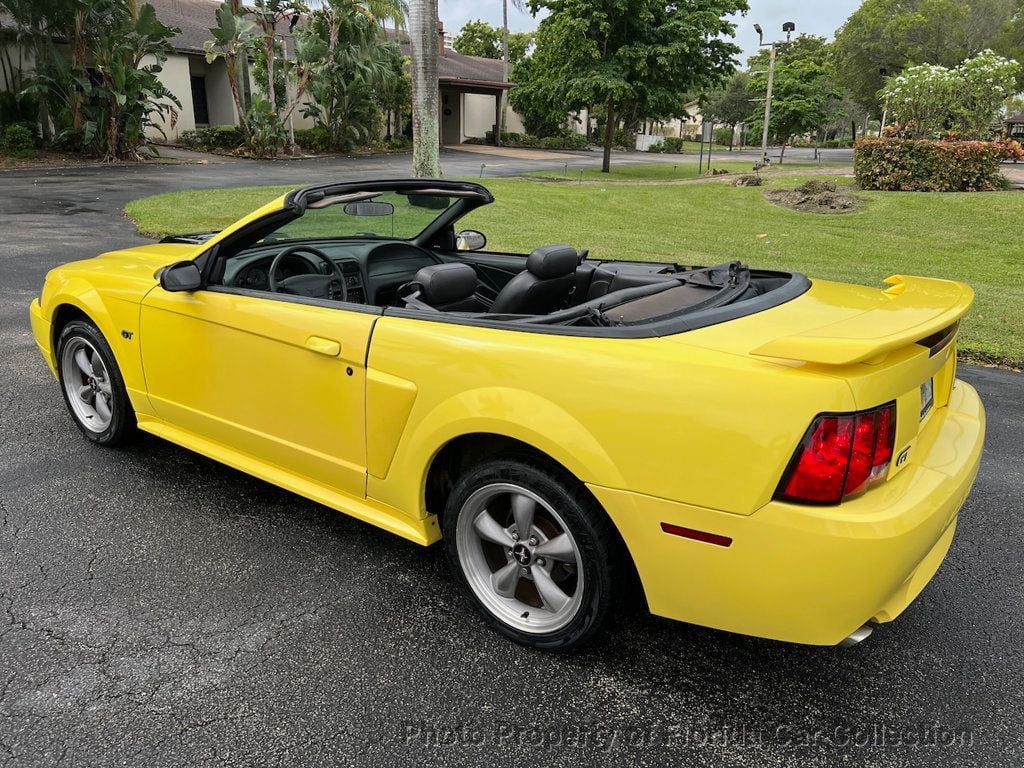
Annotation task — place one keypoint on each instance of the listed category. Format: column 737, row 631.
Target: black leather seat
column 444, row 287
column 544, row 286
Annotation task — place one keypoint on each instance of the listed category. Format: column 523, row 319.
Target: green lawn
column 683, row 169
column 970, row 237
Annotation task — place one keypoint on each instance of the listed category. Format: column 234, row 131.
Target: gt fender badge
column 902, row 458
column 127, row 335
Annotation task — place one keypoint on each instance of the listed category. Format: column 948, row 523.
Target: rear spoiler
column 924, row 309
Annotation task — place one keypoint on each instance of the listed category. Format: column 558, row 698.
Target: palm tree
column 426, row 159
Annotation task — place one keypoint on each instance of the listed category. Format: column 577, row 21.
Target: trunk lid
column 895, row 344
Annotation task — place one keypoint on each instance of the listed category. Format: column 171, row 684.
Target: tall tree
column 882, row 37
column 637, row 57
column 732, row 105
column 355, row 63
column 426, row 129
column 803, row 96
column 269, row 14
column 234, row 40
column 478, row 38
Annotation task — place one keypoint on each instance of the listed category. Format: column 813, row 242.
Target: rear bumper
column 811, row 574
column 42, row 332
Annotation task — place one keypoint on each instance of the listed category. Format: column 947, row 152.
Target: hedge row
column 897, row 165
column 563, row 140
column 213, row 137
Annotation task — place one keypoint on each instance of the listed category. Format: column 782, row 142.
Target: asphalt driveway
column 163, row 610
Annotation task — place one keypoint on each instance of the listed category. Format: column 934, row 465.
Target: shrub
column 564, row 140
column 924, row 165
column 314, row 139
column 213, row 137
column 1010, row 149
column 674, row 144
column 623, row 139
column 17, row 138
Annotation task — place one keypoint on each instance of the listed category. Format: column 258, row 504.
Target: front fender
column 506, row 411
column 116, row 317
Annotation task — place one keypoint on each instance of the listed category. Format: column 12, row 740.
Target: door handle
column 323, row 346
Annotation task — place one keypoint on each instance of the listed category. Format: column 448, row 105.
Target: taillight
column 842, row 455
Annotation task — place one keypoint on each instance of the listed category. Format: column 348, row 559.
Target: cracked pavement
column 162, row 610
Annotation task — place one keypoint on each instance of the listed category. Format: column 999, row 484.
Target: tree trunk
column 270, row 72
column 499, row 125
column 232, row 66
column 78, row 53
column 609, row 137
column 426, row 129
column 241, row 66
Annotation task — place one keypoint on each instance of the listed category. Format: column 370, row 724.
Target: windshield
column 365, row 214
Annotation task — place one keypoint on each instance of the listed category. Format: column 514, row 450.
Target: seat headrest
column 442, row 284
column 553, row 261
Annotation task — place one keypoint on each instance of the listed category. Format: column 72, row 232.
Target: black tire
column 599, row 548
column 122, row 418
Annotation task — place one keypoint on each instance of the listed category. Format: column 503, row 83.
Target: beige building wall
column 220, row 104
column 175, row 77
column 478, row 117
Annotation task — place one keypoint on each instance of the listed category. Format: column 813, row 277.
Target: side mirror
column 470, row 240
column 183, row 276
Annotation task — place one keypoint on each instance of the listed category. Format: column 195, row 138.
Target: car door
column 277, row 378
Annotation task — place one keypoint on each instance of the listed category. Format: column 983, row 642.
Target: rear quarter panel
column 652, row 416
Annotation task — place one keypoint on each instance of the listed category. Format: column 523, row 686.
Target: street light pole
column 768, row 105
column 789, row 28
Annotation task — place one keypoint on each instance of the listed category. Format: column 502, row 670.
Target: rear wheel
column 533, row 551
column 92, row 385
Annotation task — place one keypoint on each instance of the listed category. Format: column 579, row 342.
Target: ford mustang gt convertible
column 744, row 449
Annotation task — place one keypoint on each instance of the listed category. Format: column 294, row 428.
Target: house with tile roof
column 469, row 86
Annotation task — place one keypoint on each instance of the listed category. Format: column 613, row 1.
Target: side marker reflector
column 691, row 533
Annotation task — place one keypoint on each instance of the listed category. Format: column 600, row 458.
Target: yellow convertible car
column 762, row 453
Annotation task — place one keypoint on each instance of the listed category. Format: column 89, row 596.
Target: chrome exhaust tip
column 857, row 636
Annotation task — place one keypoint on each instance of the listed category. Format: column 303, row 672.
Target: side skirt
column 424, row 531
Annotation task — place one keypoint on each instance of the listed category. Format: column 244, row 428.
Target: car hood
column 143, row 261
column 128, row 273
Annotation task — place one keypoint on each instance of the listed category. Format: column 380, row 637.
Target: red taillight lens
column 841, row 455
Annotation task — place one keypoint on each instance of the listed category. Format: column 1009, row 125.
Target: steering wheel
column 314, row 286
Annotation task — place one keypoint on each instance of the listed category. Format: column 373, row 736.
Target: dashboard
column 373, row 271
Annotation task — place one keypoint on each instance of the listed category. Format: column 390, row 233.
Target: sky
column 817, row 17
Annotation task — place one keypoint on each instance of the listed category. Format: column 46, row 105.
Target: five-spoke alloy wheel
column 92, row 384
column 535, row 554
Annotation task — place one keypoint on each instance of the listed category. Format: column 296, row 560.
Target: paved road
column 162, row 610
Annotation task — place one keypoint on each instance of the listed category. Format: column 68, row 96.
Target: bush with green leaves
column 671, row 145
column 564, row 140
column 213, row 137
column 266, row 134
column 315, row 139
column 17, row 139
column 724, row 136
column 922, row 165
column 929, row 101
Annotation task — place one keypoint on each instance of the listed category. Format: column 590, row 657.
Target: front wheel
column 535, row 553
column 92, row 385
